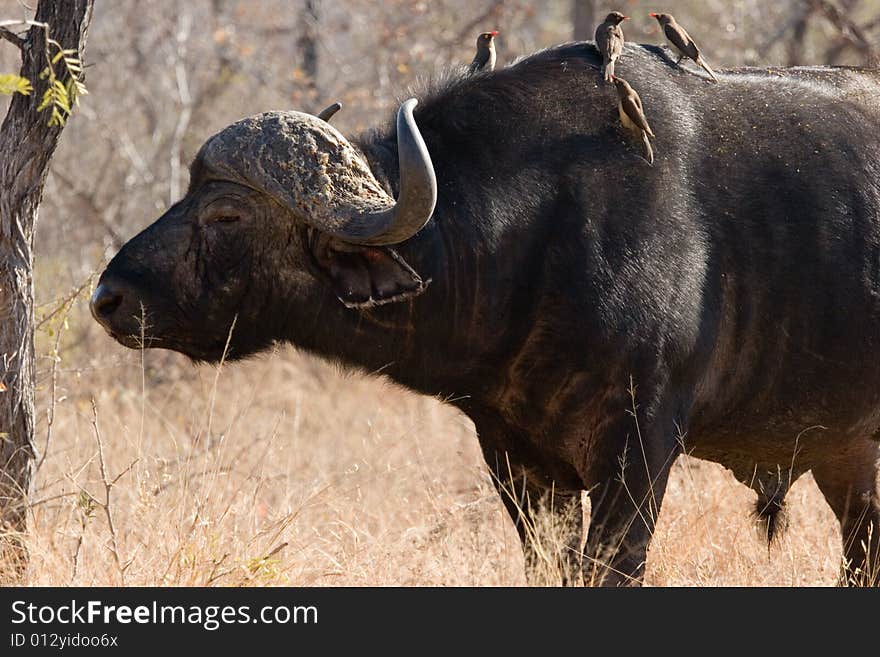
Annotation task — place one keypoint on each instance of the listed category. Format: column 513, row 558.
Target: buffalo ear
column 366, row 276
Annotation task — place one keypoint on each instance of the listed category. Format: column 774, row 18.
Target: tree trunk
column 27, row 143
column 803, row 10
column 583, row 19
column 308, row 44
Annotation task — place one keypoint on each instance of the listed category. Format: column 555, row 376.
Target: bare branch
column 842, row 43
column 31, row 23
column 493, row 11
column 849, row 30
column 108, row 487
column 12, row 37
column 105, row 213
column 65, row 306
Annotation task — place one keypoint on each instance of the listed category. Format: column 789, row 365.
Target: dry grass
column 283, row 470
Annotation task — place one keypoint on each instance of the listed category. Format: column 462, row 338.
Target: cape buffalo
column 594, row 316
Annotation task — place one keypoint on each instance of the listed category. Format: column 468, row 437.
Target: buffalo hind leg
column 624, row 509
column 850, row 487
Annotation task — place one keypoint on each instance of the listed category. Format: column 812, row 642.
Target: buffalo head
column 282, row 211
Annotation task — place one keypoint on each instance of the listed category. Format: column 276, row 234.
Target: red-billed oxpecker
column 632, row 115
column 484, row 60
column 682, row 42
column 609, row 41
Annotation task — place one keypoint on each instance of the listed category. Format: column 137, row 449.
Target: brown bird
column 609, row 41
column 682, row 41
column 632, row 115
column 484, row 60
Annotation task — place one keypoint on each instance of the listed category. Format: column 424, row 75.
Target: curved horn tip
column 418, row 192
column 327, row 113
column 415, row 166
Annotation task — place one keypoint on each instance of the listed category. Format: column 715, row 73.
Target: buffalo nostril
column 106, row 306
column 105, row 302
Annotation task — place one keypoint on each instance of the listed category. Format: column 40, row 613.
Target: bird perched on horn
column 609, row 41
column 682, row 42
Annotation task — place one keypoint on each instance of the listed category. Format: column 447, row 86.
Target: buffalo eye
column 221, row 213
column 218, row 206
column 223, row 219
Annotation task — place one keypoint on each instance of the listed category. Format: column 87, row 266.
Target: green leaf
column 75, row 89
column 64, row 87
column 57, row 118
column 47, row 100
column 14, row 84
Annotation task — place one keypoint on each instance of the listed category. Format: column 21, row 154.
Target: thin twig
column 66, row 305
column 52, row 498
column 217, row 375
column 653, row 510
column 494, row 10
column 214, row 575
column 849, row 29
column 79, row 543
column 186, row 102
column 66, row 301
column 7, row 23
column 12, row 37
column 108, row 487
column 105, row 212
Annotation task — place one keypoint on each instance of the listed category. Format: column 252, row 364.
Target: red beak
column 626, row 18
column 494, row 33
column 652, row 15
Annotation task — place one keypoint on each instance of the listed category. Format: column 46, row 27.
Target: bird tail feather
column 608, row 71
column 702, row 62
column 649, row 152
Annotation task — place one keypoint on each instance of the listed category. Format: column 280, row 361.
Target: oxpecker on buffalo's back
column 632, row 115
column 609, row 41
column 484, row 60
column 682, row 42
